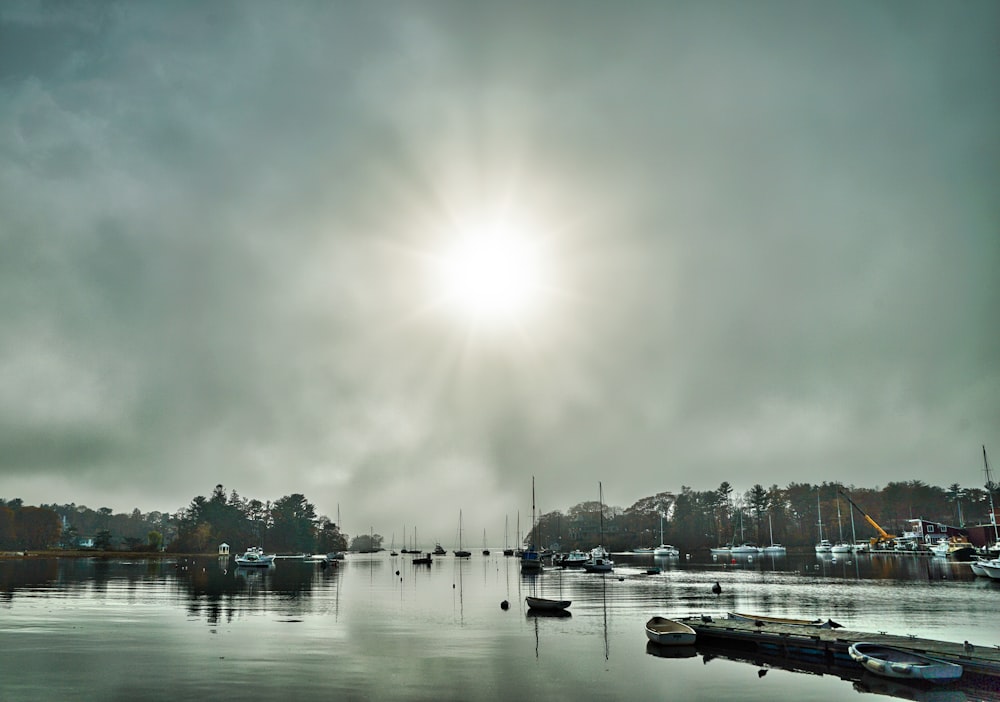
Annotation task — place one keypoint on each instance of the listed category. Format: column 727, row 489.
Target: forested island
column 690, row 519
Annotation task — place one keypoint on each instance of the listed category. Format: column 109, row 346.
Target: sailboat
column 486, row 551
column 392, row 546
column 841, row 546
column 507, row 551
column 461, row 553
column 744, row 547
column 600, row 561
column 418, row 558
column 531, row 560
column 772, row 548
column 824, row 545
column 665, row 549
column 993, row 513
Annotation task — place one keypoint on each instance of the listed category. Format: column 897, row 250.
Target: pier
column 830, row 645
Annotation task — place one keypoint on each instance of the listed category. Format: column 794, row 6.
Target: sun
column 492, row 274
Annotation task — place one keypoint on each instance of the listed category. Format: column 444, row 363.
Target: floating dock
column 831, row 644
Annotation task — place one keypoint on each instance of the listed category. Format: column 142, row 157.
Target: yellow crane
column 883, row 535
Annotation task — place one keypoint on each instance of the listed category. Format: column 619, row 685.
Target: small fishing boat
column 668, row 632
column 785, row 621
column 547, row 605
column 892, row 662
column 957, row 548
column 573, row 559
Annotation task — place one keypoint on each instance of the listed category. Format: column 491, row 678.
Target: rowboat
column 548, row 605
column 668, row 632
column 785, row 621
column 892, row 662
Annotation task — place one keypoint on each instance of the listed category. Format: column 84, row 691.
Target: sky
column 402, row 257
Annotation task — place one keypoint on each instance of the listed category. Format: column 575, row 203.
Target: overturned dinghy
column 898, row 663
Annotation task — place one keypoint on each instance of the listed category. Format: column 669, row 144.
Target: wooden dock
column 831, row 644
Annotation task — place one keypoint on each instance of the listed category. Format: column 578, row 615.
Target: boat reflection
column 654, row 649
column 547, row 613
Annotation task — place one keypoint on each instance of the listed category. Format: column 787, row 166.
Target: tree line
column 289, row 524
column 695, row 519
column 690, row 519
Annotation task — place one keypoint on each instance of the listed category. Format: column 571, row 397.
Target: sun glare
column 492, row 275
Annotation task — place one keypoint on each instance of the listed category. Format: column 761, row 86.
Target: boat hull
column 897, row 663
column 543, row 604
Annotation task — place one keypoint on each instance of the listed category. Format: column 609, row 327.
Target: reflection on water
column 381, row 627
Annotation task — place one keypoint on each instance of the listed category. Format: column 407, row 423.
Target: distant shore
column 105, row 555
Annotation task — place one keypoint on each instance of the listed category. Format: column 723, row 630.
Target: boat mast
column 854, row 536
column 819, row 515
column 600, row 493
column 989, row 489
column 840, row 526
column 533, row 535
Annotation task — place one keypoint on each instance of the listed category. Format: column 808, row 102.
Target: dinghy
column 668, row 632
column 892, row 662
column 547, row 605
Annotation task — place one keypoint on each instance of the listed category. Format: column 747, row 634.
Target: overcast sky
column 766, row 240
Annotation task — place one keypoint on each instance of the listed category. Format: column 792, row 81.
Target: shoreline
column 104, row 555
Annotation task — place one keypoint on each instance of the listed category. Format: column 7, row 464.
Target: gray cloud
column 775, row 228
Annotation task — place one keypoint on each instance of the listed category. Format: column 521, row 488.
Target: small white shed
column 223, row 549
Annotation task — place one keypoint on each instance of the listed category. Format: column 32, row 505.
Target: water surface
column 378, row 627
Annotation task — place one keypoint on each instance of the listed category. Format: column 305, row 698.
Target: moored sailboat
column 600, row 560
column 461, row 552
column 531, row 560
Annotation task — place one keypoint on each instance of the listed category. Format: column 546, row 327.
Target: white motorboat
column 977, row 568
column 992, row 568
column 745, row 549
column 255, row 558
column 668, row 632
column 599, row 561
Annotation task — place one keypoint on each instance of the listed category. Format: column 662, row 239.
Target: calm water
column 79, row 629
